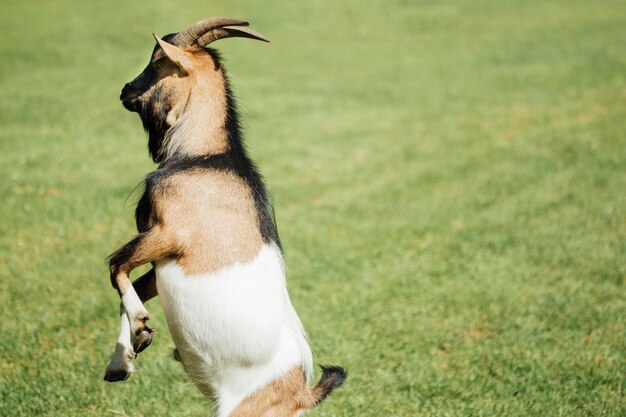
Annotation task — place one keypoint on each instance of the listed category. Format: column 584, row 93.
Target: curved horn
column 190, row 35
column 230, row 32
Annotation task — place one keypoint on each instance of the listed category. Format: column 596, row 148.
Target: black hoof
column 142, row 339
column 114, row 376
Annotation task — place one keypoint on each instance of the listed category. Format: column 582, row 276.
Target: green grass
column 449, row 181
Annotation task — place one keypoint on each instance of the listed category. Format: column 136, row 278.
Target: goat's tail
column 332, row 378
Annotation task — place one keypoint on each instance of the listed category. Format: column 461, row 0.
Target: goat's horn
column 230, row 32
column 190, row 35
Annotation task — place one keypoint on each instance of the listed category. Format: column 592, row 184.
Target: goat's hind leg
column 120, row 367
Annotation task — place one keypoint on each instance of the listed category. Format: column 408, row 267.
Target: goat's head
column 179, row 65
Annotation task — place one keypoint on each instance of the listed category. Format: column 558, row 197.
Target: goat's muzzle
column 128, row 96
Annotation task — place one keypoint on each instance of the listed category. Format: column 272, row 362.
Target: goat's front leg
column 146, row 247
column 120, row 366
column 146, row 289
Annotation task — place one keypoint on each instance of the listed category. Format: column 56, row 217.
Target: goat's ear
column 175, row 54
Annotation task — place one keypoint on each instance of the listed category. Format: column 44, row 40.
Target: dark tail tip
column 332, row 378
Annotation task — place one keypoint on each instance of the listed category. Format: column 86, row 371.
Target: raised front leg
column 146, row 289
column 145, row 247
column 121, row 366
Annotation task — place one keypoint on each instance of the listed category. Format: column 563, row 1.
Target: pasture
column 449, row 180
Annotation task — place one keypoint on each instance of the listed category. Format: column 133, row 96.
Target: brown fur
column 199, row 95
column 145, row 247
column 284, row 397
column 211, row 215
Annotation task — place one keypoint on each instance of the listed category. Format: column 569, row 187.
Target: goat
column 206, row 225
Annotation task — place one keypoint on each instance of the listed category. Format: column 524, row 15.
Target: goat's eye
column 159, row 64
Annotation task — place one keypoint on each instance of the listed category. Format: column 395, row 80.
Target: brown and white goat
column 206, row 224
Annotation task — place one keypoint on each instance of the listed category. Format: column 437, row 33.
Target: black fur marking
column 153, row 120
column 143, row 212
column 245, row 167
column 332, row 378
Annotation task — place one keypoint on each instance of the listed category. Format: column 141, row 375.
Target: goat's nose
column 128, row 91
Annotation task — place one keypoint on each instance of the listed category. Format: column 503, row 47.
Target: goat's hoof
column 120, row 367
column 143, row 338
column 116, row 375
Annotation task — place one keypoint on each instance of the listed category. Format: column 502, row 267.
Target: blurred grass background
column 449, row 181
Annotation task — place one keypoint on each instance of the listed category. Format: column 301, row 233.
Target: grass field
column 449, row 181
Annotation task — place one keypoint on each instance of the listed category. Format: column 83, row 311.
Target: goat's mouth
column 130, row 100
column 129, row 97
column 130, row 104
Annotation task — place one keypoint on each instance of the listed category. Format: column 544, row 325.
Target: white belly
column 235, row 329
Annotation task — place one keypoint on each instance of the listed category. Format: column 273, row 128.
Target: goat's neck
column 198, row 128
